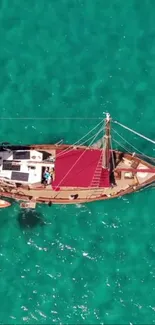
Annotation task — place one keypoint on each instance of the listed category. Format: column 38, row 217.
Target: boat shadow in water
column 29, row 219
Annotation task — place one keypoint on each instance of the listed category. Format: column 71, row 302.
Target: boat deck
column 122, row 182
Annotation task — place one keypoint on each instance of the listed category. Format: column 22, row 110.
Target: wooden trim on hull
column 40, row 200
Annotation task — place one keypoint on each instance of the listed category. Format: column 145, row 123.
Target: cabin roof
column 73, row 171
column 15, row 166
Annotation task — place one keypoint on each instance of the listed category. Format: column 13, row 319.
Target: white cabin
column 24, row 166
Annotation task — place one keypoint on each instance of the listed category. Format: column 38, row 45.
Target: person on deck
column 52, row 173
column 47, row 176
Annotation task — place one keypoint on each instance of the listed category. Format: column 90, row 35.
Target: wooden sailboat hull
column 125, row 182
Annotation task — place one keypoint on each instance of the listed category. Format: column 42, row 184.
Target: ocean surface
column 91, row 263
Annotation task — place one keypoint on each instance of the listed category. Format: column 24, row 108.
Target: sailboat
column 72, row 174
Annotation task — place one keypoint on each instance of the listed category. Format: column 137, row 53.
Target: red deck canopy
column 83, row 170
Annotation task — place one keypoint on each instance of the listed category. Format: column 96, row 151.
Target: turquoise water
column 95, row 263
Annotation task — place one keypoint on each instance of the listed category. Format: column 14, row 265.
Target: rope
column 133, row 146
column 101, row 130
column 123, row 147
column 70, row 149
column 139, row 134
column 67, row 150
column 51, row 118
column 77, row 160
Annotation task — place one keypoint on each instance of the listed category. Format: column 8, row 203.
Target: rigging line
column 139, row 134
column 51, row 118
column 123, row 146
column 61, row 153
column 77, row 160
column 101, row 130
column 133, row 146
column 67, row 150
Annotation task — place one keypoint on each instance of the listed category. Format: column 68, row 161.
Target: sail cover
column 77, row 168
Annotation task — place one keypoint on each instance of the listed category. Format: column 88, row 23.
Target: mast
column 106, row 147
